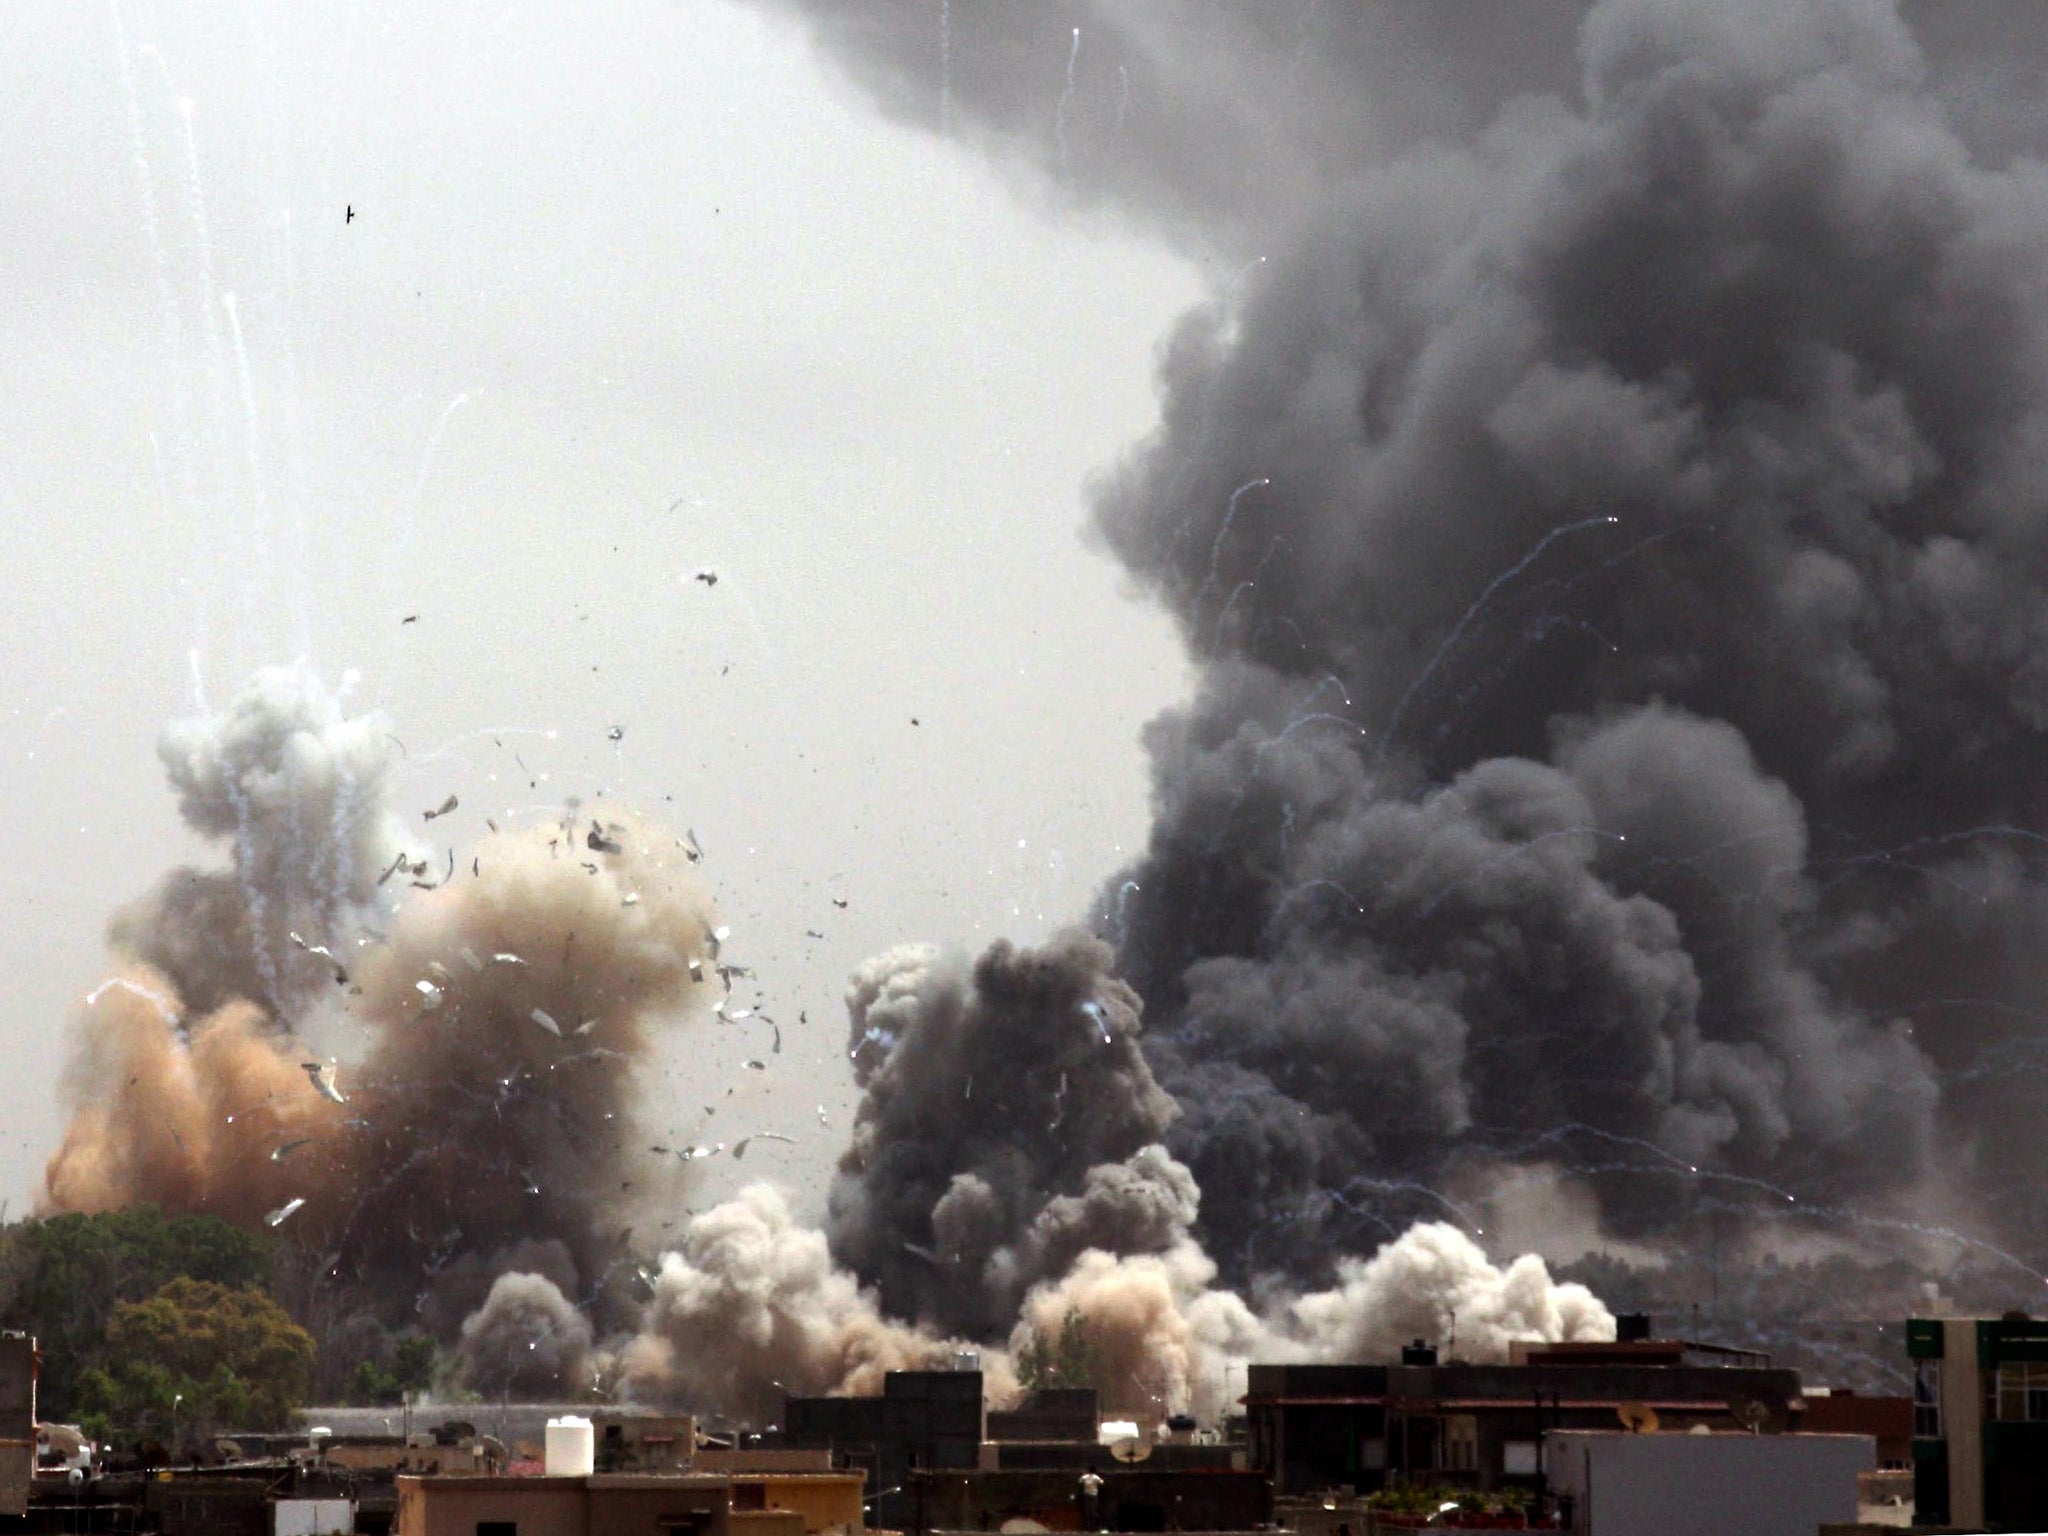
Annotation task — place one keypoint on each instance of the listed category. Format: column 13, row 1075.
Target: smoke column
column 1609, row 523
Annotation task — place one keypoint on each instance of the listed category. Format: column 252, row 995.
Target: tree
column 234, row 1357
column 411, row 1371
column 1072, row 1357
column 62, row 1276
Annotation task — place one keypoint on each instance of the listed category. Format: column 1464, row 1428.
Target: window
column 1461, row 1443
column 2023, row 1391
column 1518, row 1458
column 1927, row 1399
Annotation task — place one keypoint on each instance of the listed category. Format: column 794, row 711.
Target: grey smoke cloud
column 990, row 1092
column 1609, row 523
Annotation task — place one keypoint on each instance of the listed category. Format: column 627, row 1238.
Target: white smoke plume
column 752, row 1306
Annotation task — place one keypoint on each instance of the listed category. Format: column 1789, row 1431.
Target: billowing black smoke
column 1009, row 1121
column 1611, row 523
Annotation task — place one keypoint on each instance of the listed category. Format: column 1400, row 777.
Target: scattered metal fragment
column 694, row 849
column 506, row 957
column 707, row 575
column 317, row 1072
column 757, row 1066
column 596, row 841
column 446, row 807
column 278, row 1217
column 546, row 1021
column 632, row 899
column 429, row 991
column 616, row 733
column 584, row 1028
column 469, row 958
column 285, row 1149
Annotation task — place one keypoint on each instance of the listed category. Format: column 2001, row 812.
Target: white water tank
column 571, row 1447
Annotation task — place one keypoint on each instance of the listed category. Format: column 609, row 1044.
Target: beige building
column 794, row 1482
column 604, row 1504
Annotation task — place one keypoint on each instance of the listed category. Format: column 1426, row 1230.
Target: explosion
column 1603, row 507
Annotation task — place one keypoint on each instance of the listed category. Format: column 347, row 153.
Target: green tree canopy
column 234, row 1357
column 62, row 1276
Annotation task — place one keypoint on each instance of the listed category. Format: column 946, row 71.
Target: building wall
column 1131, row 1499
column 1706, row 1485
column 17, row 1421
column 923, row 1419
column 567, row 1506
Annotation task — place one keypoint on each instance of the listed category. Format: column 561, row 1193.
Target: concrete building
column 1887, row 1420
column 1618, row 1484
column 1980, row 1422
column 1355, row 1428
column 603, row 1504
column 923, row 1420
column 1128, row 1498
column 1053, row 1414
column 803, row 1483
column 17, row 1422
column 629, row 1438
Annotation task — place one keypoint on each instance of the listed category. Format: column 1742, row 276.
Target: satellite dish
column 1637, row 1418
column 1750, row 1414
column 1131, row 1448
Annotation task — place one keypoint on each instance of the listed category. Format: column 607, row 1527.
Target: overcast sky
column 617, row 303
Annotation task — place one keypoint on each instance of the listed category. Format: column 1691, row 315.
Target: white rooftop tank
column 571, row 1447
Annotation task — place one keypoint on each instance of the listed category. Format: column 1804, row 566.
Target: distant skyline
column 616, row 305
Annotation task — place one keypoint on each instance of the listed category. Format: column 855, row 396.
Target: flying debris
column 584, row 1028
column 446, row 807
column 691, row 1154
column 546, row 1021
column 428, row 991
column 282, row 1214
column 822, row 1118
column 756, row 1066
column 632, row 899
column 691, row 847
column 285, row 1149
column 839, row 902
column 616, row 733
column 597, row 842
column 397, row 863
column 506, row 957
column 708, row 576
column 317, row 1072
column 739, row 1148
column 470, row 958
column 321, row 951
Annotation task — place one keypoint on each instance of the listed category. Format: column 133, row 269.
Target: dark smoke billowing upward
column 1611, row 523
